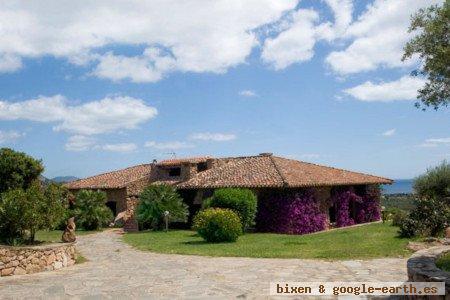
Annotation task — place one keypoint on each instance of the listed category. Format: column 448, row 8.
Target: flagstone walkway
column 115, row 270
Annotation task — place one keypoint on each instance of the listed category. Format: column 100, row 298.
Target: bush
column 22, row 213
column 217, row 225
column 396, row 215
column 429, row 218
column 154, row 201
column 435, row 183
column 241, row 201
column 408, row 227
column 290, row 212
column 90, row 210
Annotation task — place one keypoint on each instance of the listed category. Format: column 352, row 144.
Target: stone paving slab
column 116, row 271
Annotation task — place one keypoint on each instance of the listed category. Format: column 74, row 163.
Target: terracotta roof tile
column 251, row 171
column 179, row 161
column 273, row 171
column 112, row 180
column 254, row 171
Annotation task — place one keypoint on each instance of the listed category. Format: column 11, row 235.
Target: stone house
column 196, row 178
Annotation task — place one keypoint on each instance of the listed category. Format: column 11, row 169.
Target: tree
column 154, row 201
column 17, row 170
column 90, row 210
column 435, row 183
column 24, row 212
column 431, row 44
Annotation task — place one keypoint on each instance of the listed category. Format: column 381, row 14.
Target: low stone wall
column 422, row 268
column 33, row 259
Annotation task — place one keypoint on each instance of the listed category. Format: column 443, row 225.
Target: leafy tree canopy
column 154, row 201
column 435, row 182
column 431, row 44
column 18, row 170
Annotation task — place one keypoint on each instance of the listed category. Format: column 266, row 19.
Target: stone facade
column 27, row 260
column 422, row 268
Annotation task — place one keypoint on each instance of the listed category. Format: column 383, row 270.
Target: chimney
column 266, row 154
column 188, row 170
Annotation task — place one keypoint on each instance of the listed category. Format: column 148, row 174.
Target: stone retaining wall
column 33, row 259
column 422, row 268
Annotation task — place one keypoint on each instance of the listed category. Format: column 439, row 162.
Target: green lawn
column 55, row 235
column 443, row 263
column 369, row 241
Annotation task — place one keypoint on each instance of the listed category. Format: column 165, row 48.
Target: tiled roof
column 273, row 171
column 250, row 171
column 112, row 180
column 179, row 161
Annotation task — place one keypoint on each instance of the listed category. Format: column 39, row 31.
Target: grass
column 369, row 241
column 49, row 236
column 443, row 262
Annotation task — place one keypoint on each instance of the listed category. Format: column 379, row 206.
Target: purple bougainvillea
column 370, row 205
column 355, row 209
column 344, row 199
column 294, row 213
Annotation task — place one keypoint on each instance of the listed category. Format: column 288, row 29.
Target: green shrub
column 217, row 225
column 12, row 207
column 429, row 218
column 435, row 183
column 408, row 227
column 90, row 210
column 22, row 213
column 396, row 215
column 241, row 201
column 154, row 201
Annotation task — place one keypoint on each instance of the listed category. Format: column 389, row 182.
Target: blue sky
column 320, row 81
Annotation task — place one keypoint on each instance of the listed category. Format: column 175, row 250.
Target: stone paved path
column 117, row 271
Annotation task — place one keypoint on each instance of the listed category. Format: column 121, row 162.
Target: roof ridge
column 283, row 179
column 109, row 172
column 340, row 169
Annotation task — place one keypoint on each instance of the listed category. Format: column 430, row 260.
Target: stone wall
column 119, row 196
column 33, row 259
column 422, row 268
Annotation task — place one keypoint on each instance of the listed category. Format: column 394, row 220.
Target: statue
column 69, row 233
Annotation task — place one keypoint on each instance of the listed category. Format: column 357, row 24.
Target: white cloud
column 9, row 63
column 216, row 137
column 175, row 145
column 434, row 142
column 195, row 36
column 9, row 136
column 149, row 67
column 439, row 140
column 428, row 145
column 80, row 143
column 293, row 45
column 389, row 132
column 296, row 43
column 377, row 37
column 404, row 88
column 106, row 115
column 122, row 147
column 248, row 93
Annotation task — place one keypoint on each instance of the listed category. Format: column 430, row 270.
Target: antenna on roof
column 172, row 154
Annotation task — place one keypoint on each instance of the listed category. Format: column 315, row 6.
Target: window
column 202, row 166
column 174, row 172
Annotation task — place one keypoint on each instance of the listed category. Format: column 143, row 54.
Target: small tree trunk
column 32, row 235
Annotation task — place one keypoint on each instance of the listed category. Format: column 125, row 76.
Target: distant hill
column 64, row 179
